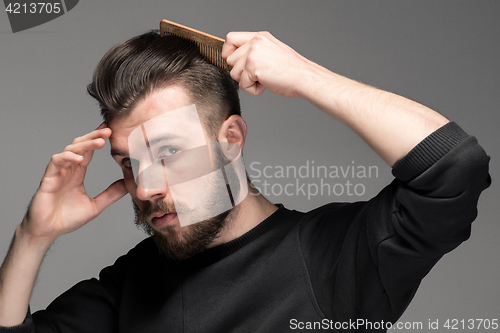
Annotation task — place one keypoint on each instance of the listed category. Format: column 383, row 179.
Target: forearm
column 17, row 277
column 391, row 125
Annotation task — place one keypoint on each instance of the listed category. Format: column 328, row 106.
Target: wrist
column 18, row 275
column 317, row 81
column 37, row 243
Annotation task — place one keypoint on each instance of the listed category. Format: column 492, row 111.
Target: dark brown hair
column 148, row 62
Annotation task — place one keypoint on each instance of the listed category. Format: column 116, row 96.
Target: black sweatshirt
column 350, row 266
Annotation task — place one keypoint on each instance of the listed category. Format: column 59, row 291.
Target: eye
column 127, row 163
column 167, row 152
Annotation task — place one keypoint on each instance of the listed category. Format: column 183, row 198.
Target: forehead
column 156, row 106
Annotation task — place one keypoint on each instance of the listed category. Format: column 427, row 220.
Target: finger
column 102, row 125
column 85, row 146
column 101, row 132
column 237, row 70
column 239, row 62
column 259, row 89
column 256, row 88
column 247, row 82
column 87, row 157
column 243, row 72
column 238, row 54
column 61, row 160
column 250, row 85
column 86, row 149
column 109, row 196
column 235, row 40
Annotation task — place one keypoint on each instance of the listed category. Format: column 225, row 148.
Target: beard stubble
column 180, row 243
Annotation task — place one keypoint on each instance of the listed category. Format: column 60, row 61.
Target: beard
column 177, row 242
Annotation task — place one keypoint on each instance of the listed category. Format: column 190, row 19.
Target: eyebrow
column 118, row 152
column 160, row 138
column 153, row 142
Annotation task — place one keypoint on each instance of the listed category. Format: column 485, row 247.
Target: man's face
column 166, row 161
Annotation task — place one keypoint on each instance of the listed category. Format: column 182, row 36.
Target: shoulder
column 144, row 252
column 332, row 213
column 144, row 249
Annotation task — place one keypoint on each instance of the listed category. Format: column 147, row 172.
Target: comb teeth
column 209, row 46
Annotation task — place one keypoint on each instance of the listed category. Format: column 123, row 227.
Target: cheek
column 132, row 190
column 130, row 183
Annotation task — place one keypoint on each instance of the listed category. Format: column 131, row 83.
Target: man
column 257, row 267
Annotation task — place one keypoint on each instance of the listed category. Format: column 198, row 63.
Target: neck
column 254, row 209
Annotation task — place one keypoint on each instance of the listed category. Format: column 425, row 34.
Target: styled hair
column 133, row 69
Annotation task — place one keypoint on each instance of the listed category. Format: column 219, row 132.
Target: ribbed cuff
column 25, row 327
column 429, row 151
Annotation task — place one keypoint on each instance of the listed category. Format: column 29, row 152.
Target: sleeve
column 26, row 327
column 427, row 211
column 89, row 306
column 367, row 259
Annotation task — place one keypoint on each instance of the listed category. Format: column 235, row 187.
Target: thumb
column 113, row 193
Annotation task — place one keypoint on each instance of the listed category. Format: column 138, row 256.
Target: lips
column 160, row 220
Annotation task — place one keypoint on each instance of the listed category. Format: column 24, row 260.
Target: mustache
column 160, row 206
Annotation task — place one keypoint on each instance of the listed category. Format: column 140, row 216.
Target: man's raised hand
column 61, row 204
column 261, row 61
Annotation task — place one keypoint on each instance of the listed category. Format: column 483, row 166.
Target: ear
column 233, row 130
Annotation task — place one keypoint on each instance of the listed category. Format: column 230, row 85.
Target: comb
column 210, row 46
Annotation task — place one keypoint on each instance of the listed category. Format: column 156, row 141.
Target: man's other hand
column 61, row 204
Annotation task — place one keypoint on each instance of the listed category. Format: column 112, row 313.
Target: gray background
column 444, row 54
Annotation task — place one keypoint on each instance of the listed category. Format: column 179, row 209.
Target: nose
column 146, row 194
column 152, row 183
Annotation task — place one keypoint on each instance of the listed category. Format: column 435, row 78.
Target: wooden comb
column 210, row 46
